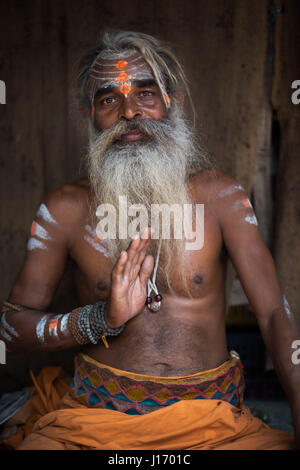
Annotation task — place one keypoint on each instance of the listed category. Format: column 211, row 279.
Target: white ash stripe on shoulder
column 44, row 213
column 231, row 189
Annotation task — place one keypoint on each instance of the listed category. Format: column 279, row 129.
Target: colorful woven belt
column 96, row 385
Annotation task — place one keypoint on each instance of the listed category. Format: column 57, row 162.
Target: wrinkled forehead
column 119, row 71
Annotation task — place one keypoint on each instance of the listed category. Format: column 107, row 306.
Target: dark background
column 240, row 57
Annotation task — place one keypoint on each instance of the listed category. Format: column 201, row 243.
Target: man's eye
column 146, row 93
column 108, row 100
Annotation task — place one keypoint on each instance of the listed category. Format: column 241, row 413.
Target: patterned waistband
column 97, row 385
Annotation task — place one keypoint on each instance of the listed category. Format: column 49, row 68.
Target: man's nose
column 130, row 109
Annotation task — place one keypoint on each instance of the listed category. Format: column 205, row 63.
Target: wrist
column 109, row 317
column 89, row 324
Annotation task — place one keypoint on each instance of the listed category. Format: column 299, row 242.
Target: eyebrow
column 139, row 83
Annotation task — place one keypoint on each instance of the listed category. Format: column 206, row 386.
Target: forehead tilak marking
column 134, row 66
column 130, row 68
column 123, row 73
column 115, row 76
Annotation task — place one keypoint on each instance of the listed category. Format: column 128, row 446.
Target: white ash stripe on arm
column 44, row 213
column 5, row 335
column 287, row 308
column 40, row 329
column 242, row 204
column 34, row 244
column 251, row 219
column 8, row 327
column 38, row 231
column 64, row 324
column 53, row 326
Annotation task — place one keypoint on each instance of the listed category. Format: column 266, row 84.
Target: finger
column 143, row 251
column 133, row 247
column 120, row 264
column 146, row 269
column 140, row 252
column 138, row 256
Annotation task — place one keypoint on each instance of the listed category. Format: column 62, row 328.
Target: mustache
column 151, row 128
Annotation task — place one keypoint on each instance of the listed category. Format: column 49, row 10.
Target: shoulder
column 68, row 203
column 214, row 183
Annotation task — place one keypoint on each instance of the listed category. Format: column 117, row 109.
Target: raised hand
column 129, row 281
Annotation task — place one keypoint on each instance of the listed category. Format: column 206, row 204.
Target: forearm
column 34, row 331
column 279, row 330
column 23, row 329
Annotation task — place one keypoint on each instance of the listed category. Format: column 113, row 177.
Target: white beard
column 154, row 170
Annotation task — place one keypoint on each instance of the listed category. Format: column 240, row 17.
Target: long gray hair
column 166, row 69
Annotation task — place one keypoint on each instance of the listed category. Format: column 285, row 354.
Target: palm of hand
column 129, row 281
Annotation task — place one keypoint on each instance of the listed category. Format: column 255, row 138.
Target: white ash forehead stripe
column 34, row 244
column 40, row 329
column 112, row 61
column 230, row 190
column 8, row 327
column 138, row 75
column 97, row 246
column 116, row 73
column 251, row 219
column 44, row 213
column 114, row 78
column 110, row 82
column 129, row 67
column 100, row 61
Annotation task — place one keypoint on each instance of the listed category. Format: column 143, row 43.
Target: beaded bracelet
column 87, row 324
column 7, row 306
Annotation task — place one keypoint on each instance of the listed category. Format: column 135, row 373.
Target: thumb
column 146, row 268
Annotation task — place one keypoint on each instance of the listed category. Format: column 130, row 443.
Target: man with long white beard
column 154, row 370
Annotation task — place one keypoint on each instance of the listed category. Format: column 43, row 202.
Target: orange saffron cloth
column 57, row 422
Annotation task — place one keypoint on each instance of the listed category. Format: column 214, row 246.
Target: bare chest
column 203, row 267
